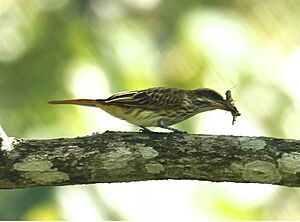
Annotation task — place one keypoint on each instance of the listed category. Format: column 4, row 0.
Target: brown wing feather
column 153, row 98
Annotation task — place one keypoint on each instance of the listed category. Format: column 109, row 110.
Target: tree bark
column 129, row 156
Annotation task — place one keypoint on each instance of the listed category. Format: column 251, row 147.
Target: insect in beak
column 229, row 105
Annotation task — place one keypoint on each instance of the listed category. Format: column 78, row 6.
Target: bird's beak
column 222, row 105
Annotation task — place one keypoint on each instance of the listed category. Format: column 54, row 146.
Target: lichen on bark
column 127, row 156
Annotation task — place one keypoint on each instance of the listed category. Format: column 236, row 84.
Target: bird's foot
column 164, row 126
column 178, row 131
column 145, row 130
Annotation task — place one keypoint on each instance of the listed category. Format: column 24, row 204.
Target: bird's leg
column 164, row 126
column 145, row 130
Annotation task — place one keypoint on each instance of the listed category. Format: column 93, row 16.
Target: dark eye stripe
column 210, row 94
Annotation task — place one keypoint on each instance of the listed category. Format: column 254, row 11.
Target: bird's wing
column 153, row 98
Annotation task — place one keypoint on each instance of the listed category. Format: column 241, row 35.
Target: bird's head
column 210, row 99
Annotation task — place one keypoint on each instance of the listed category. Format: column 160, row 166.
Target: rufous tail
column 81, row 102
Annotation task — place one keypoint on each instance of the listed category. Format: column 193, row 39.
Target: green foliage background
column 55, row 49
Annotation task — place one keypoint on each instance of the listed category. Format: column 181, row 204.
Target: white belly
column 135, row 116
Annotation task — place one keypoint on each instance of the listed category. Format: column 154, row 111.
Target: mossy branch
column 129, row 156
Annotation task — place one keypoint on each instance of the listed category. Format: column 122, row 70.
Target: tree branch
column 129, row 156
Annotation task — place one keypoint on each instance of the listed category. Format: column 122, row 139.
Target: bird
column 159, row 106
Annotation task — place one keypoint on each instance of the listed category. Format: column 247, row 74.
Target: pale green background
column 58, row 49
